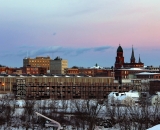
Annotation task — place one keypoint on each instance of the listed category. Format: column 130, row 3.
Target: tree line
column 81, row 114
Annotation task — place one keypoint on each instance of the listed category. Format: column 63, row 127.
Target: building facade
column 58, row 66
column 6, row 83
column 7, row 70
column 66, row 87
column 37, row 62
column 95, row 71
column 154, row 86
column 34, row 70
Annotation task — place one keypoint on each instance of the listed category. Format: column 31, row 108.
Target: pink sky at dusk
column 84, row 32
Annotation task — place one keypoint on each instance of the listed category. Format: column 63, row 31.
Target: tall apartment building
column 37, row 62
column 58, row 65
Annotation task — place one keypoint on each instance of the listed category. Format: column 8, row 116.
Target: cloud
column 45, row 50
column 102, row 48
column 32, row 51
column 66, row 50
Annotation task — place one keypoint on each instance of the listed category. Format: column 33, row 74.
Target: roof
column 123, row 97
column 136, row 69
column 132, row 94
column 146, row 73
column 133, row 69
column 119, row 49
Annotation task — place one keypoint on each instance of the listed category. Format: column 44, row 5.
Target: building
column 72, row 71
column 119, row 63
column 58, row 66
column 154, row 86
column 129, row 73
column 67, row 87
column 37, row 62
column 34, row 70
column 125, row 70
column 7, row 82
column 120, row 58
column 125, row 98
column 6, row 70
column 41, row 87
column 147, row 75
column 153, row 69
column 95, row 71
column 136, row 84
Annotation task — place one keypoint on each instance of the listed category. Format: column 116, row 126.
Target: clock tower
column 119, row 59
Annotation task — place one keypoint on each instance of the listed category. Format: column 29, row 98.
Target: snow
column 131, row 69
column 146, row 73
column 122, row 98
column 96, row 67
column 135, row 69
column 157, row 127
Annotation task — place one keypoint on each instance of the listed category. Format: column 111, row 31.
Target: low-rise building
column 147, row 75
column 95, row 71
column 154, row 86
column 34, row 70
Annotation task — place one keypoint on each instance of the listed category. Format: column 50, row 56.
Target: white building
column 58, row 66
column 126, row 98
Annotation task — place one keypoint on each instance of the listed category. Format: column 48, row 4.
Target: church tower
column 139, row 60
column 119, row 59
column 132, row 60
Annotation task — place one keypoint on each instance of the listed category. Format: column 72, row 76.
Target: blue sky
column 84, row 32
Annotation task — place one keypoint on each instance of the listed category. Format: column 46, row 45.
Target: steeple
column 132, row 56
column 119, row 59
column 139, row 60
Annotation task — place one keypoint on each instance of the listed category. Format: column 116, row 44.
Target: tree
column 87, row 112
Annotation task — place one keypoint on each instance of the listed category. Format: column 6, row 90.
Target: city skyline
column 83, row 32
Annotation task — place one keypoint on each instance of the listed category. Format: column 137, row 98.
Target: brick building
column 6, row 70
column 34, row 70
column 122, row 70
column 94, row 72
column 119, row 63
column 154, row 86
column 148, row 75
column 67, row 88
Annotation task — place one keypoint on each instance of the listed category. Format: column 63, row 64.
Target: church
column 119, row 63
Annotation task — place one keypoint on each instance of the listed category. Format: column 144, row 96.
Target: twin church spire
column 132, row 60
column 119, row 63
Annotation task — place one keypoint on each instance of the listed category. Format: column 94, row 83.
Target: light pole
column 59, row 125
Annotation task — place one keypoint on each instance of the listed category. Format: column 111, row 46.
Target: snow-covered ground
column 156, row 127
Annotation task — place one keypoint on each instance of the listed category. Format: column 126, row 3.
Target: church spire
column 139, row 59
column 132, row 56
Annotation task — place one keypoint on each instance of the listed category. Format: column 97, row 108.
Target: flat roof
column 146, row 73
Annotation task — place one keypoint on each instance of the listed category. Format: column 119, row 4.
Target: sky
column 84, row 32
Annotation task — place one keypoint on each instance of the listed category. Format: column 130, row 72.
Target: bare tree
column 87, row 112
column 28, row 113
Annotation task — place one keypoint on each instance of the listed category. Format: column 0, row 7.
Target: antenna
column 52, row 55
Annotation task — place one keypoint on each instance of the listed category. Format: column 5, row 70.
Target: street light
column 59, row 125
